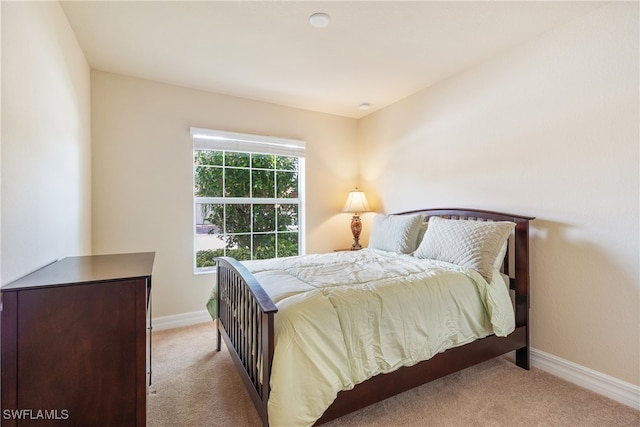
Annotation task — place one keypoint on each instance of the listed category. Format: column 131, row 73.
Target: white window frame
column 209, row 139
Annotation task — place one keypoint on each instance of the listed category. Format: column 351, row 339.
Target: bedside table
column 346, row 250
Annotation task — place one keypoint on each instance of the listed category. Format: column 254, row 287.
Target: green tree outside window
column 248, row 218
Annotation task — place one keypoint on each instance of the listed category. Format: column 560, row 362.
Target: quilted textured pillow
column 395, row 233
column 473, row 244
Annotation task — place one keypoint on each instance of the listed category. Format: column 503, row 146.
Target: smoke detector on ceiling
column 319, row 20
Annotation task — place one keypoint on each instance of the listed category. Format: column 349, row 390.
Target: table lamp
column 356, row 204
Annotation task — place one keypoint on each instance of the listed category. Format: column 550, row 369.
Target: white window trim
column 247, row 143
column 210, row 139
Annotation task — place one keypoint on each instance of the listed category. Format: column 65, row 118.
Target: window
column 248, row 197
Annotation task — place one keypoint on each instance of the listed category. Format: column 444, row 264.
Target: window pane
column 287, row 244
column 239, row 246
column 237, row 183
column 263, row 161
column 264, row 218
column 287, row 163
column 238, row 219
column 264, row 246
column 207, row 157
column 240, row 160
column 209, row 218
column 241, row 254
column 205, row 258
column 263, row 183
column 287, row 184
column 209, row 243
column 207, row 181
column 288, row 217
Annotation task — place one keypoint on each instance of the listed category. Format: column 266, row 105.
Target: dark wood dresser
column 74, row 347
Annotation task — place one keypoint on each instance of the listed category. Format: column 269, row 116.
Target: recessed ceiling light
column 319, row 20
column 364, row 106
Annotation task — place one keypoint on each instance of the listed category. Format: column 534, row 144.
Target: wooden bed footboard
column 245, row 322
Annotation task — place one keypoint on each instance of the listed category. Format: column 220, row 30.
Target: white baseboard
column 595, row 381
column 183, row 319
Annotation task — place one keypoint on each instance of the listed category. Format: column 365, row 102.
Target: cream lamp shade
column 356, row 204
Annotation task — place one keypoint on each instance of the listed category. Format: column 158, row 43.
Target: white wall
column 46, row 176
column 143, row 174
column 549, row 129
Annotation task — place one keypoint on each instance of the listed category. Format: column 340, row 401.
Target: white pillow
column 395, row 233
column 473, row 244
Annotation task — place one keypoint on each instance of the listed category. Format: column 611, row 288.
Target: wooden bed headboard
column 516, row 262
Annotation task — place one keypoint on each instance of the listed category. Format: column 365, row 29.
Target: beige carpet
column 193, row 385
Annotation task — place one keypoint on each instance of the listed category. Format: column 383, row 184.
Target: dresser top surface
column 85, row 269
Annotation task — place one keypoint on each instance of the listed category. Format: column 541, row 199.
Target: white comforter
column 347, row 316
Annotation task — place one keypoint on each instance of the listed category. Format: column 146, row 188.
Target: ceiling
column 372, row 52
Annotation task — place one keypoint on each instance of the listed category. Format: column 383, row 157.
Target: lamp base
column 356, row 228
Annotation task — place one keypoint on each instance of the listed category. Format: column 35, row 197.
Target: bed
column 319, row 336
